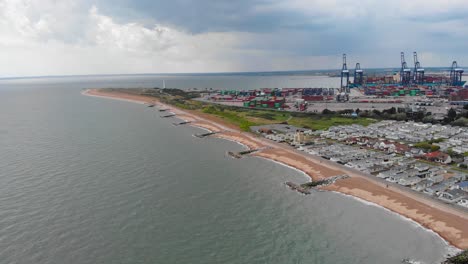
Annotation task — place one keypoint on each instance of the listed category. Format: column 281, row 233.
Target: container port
column 410, row 87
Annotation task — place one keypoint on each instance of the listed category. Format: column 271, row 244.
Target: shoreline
column 452, row 250
column 450, row 227
column 303, row 173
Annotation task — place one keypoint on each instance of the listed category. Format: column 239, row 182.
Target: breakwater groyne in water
column 298, row 188
column 205, row 134
column 239, row 154
column 169, row 115
column 306, row 187
column 182, row 123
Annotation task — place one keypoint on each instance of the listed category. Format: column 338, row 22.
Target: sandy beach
column 450, row 224
column 314, row 170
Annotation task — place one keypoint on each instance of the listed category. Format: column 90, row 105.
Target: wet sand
column 450, row 224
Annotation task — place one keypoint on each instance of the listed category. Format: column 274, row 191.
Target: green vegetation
column 319, row 122
column 460, row 169
column 450, row 152
column 436, row 140
column 231, row 116
column 454, row 155
column 461, row 258
column 245, row 117
column 427, row 145
column 452, row 114
column 462, row 121
column 268, row 115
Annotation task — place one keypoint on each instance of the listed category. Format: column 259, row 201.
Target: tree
column 364, row 113
column 418, row 116
column 452, row 114
column 434, row 148
column 357, row 111
column 465, row 107
column 392, row 110
column 400, row 116
column 326, row 112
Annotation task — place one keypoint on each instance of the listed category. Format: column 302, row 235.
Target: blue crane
column 418, row 75
column 405, row 72
column 456, row 74
column 358, row 74
column 344, row 74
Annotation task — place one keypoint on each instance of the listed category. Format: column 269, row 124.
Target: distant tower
column 418, row 71
column 405, row 72
column 164, row 84
column 456, row 75
column 344, row 74
column 358, row 74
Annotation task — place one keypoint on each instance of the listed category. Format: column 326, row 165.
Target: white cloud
column 50, row 37
column 34, row 41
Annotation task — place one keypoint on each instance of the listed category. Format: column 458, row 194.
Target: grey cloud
column 207, row 15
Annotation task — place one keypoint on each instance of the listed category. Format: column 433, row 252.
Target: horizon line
column 194, row 73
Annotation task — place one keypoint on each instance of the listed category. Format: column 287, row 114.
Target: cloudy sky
column 64, row 37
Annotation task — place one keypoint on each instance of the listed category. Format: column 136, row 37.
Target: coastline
column 309, row 179
column 449, row 225
column 452, row 250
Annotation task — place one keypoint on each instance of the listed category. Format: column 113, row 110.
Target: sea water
column 92, row 180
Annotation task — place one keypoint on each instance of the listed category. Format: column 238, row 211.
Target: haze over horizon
column 71, row 37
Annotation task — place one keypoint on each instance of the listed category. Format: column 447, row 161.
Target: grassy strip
column 243, row 123
column 318, row 122
column 427, row 145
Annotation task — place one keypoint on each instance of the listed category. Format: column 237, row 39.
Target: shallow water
column 91, row 180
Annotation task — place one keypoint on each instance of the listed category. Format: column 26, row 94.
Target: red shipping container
column 312, row 97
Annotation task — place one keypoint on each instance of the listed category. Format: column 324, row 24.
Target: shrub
column 462, row 121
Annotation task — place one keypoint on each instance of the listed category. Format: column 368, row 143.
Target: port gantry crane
column 358, row 74
column 344, row 74
column 455, row 74
column 418, row 71
column 405, row 72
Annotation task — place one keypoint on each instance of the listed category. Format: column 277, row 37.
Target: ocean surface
column 92, row 180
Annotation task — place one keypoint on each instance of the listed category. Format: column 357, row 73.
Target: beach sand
column 239, row 137
column 314, row 170
column 450, row 224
